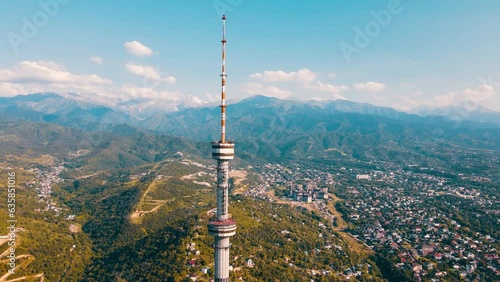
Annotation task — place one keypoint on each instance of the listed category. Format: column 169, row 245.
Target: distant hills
column 462, row 112
column 88, row 152
column 53, row 108
column 69, row 109
column 275, row 128
column 268, row 127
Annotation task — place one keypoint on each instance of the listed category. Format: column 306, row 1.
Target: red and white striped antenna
column 223, row 76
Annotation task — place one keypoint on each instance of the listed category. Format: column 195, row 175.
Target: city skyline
column 401, row 54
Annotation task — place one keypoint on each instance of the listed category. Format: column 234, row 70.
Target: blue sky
column 411, row 53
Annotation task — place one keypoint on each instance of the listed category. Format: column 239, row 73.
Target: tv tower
column 223, row 226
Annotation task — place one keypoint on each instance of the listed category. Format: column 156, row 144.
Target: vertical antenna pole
column 223, row 76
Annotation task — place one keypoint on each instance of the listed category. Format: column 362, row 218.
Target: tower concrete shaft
column 223, row 226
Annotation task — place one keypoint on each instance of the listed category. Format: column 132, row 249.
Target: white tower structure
column 222, row 227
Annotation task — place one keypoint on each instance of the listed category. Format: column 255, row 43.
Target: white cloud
column 132, row 91
column 149, row 72
column 469, row 97
column 258, row 88
column 12, row 89
column 306, row 79
column 169, row 79
column 444, row 100
column 96, row 93
column 303, row 75
column 46, row 73
column 211, row 97
column 97, row 60
column 327, row 87
column 38, row 76
column 138, row 49
column 370, row 86
column 482, row 92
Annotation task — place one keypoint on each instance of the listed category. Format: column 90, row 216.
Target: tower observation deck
column 222, row 227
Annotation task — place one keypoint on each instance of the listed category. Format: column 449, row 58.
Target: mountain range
column 465, row 111
column 70, row 110
column 268, row 127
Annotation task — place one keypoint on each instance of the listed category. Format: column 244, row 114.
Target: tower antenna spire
column 223, row 81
